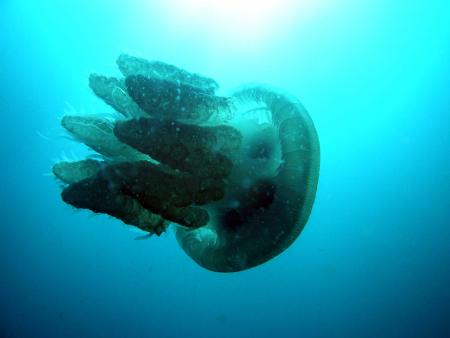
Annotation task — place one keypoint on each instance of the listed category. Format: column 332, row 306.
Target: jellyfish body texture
column 235, row 176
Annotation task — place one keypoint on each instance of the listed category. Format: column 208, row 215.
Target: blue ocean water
column 374, row 258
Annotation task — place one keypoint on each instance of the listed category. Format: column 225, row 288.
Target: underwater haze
column 374, row 257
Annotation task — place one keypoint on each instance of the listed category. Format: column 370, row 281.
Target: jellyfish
column 234, row 176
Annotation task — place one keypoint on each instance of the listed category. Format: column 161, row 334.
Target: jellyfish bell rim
column 268, row 232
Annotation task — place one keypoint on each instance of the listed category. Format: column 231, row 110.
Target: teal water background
column 374, row 259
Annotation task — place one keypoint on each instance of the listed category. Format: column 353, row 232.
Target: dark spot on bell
column 257, row 197
column 262, row 194
column 232, row 219
column 262, row 150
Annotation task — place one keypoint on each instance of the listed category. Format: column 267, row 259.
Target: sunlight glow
column 238, row 21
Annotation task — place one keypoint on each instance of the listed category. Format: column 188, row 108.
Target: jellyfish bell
column 273, row 193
